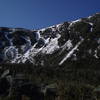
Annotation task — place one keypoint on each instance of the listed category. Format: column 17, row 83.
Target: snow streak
column 71, row 52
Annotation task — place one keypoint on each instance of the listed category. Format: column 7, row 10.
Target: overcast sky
column 36, row 14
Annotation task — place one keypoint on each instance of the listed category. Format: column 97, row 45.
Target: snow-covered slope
column 69, row 41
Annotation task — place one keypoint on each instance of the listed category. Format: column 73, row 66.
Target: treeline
column 75, row 80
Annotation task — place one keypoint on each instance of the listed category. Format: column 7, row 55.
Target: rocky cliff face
column 55, row 45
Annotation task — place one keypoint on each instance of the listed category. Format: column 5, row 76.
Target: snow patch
column 38, row 35
column 95, row 55
column 73, row 22
column 52, row 46
column 71, row 52
column 89, row 17
column 68, row 45
column 91, row 29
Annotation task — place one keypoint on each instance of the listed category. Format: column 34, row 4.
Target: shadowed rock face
column 4, row 87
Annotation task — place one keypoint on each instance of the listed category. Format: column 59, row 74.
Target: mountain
column 73, row 41
column 64, row 58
